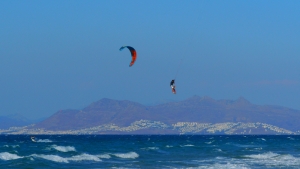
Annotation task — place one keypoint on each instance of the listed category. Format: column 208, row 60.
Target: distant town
column 177, row 128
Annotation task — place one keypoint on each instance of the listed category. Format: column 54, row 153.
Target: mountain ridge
column 194, row 109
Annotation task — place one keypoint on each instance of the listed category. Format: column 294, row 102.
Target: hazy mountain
column 13, row 121
column 195, row 109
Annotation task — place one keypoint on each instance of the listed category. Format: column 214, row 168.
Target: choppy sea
column 149, row 151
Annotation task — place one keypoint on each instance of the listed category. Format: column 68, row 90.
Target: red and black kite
column 133, row 54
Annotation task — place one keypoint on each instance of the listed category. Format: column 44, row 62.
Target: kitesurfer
column 33, row 139
column 172, row 85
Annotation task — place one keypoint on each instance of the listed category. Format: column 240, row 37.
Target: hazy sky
column 65, row 54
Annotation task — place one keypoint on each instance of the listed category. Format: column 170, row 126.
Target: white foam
column 84, row 157
column 54, row 158
column 168, row 146
column 107, row 156
column 226, row 166
column 64, row 148
column 263, row 156
column 8, row 156
column 188, row 145
column 13, row 146
column 44, row 141
column 132, row 155
column 273, row 159
column 150, row 148
column 209, row 142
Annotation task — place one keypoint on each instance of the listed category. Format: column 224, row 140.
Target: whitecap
column 150, row 148
column 168, row 146
column 54, row 158
column 263, row 156
column 271, row 159
column 107, row 156
column 227, row 165
column 63, row 148
column 84, row 157
column 13, row 146
column 258, row 148
column 188, row 145
column 132, row 155
column 8, row 156
column 44, row 141
column 209, row 142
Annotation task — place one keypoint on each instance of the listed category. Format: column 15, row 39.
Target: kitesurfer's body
column 172, row 85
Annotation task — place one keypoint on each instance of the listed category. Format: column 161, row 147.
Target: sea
column 150, row 151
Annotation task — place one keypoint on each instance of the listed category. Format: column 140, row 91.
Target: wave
column 8, row 156
column 63, row 148
column 84, row 157
column 150, row 148
column 226, row 166
column 263, row 139
column 56, row 158
column 44, row 141
column 107, row 156
column 188, row 145
column 13, row 146
column 263, row 156
column 273, row 159
column 209, row 142
column 132, row 155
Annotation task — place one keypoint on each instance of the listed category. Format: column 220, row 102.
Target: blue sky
column 65, row 54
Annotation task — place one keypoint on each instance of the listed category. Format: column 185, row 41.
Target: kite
column 133, row 54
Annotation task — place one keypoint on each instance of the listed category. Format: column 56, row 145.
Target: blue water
column 142, row 151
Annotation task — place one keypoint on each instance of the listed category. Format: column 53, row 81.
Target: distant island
column 195, row 115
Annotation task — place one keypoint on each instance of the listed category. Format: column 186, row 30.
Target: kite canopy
column 133, row 54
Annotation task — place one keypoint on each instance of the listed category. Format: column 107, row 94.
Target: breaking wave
column 8, row 156
column 63, row 148
column 273, row 159
column 13, row 146
column 132, row 155
column 56, row 158
column 106, row 156
column 44, row 141
column 225, row 166
column 84, row 157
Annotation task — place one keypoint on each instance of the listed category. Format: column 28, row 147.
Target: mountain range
column 15, row 120
column 118, row 114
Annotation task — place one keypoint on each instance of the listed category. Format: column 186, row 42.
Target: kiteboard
column 173, row 91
